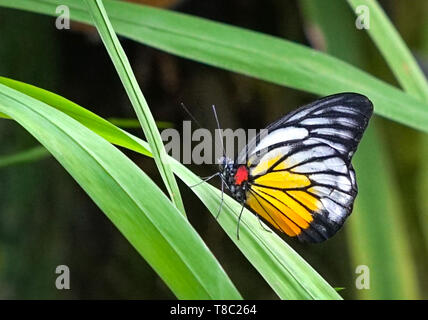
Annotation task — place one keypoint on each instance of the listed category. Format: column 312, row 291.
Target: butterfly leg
column 222, row 199
column 239, row 220
column 261, row 225
column 204, row 179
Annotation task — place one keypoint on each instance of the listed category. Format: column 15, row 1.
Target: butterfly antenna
column 190, row 114
column 220, row 135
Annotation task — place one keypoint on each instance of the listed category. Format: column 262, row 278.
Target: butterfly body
column 236, row 178
column 298, row 176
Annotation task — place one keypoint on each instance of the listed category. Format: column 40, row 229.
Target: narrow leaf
column 123, row 68
column 285, row 271
column 135, row 205
column 247, row 52
column 393, row 49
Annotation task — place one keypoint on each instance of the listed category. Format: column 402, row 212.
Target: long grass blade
column 123, row 68
column 394, row 49
column 377, row 235
column 128, row 197
column 250, row 53
column 283, row 269
column 30, row 155
column 405, row 68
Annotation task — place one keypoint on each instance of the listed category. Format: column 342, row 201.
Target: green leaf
column 29, row 155
column 285, row 271
column 376, row 227
column 128, row 123
column 410, row 76
column 378, row 235
column 135, row 205
column 394, row 50
column 251, row 53
column 422, row 186
column 97, row 124
column 123, row 68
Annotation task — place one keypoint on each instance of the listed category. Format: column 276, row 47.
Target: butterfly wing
column 301, row 178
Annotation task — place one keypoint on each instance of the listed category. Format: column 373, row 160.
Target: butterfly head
column 235, row 177
column 225, row 165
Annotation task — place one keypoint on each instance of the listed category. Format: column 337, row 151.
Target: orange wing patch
column 272, row 215
column 306, row 199
column 291, row 208
column 289, row 211
column 280, row 197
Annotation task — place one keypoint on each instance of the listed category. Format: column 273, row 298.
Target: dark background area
column 47, row 220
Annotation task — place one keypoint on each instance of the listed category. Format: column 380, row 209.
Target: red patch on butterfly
column 241, row 175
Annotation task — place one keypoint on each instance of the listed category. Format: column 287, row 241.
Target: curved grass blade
column 129, row 123
column 411, row 78
column 394, row 50
column 377, row 237
column 285, row 271
column 97, row 124
column 32, row 154
column 289, row 275
column 124, row 70
column 128, row 197
column 247, row 52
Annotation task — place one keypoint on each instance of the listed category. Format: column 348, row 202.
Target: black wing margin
column 318, row 140
column 337, row 120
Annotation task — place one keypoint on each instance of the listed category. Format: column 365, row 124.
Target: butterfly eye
column 222, row 163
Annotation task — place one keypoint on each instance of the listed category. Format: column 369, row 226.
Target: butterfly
column 298, row 176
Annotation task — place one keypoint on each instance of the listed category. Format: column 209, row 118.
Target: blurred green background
column 46, row 219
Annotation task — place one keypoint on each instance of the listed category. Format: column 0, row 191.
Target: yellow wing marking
column 292, row 209
column 268, row 161
column 272, row 215
column 306, row 199
column 262, row 166
column 282, row 165
column 283, row 180
column 288, row 211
